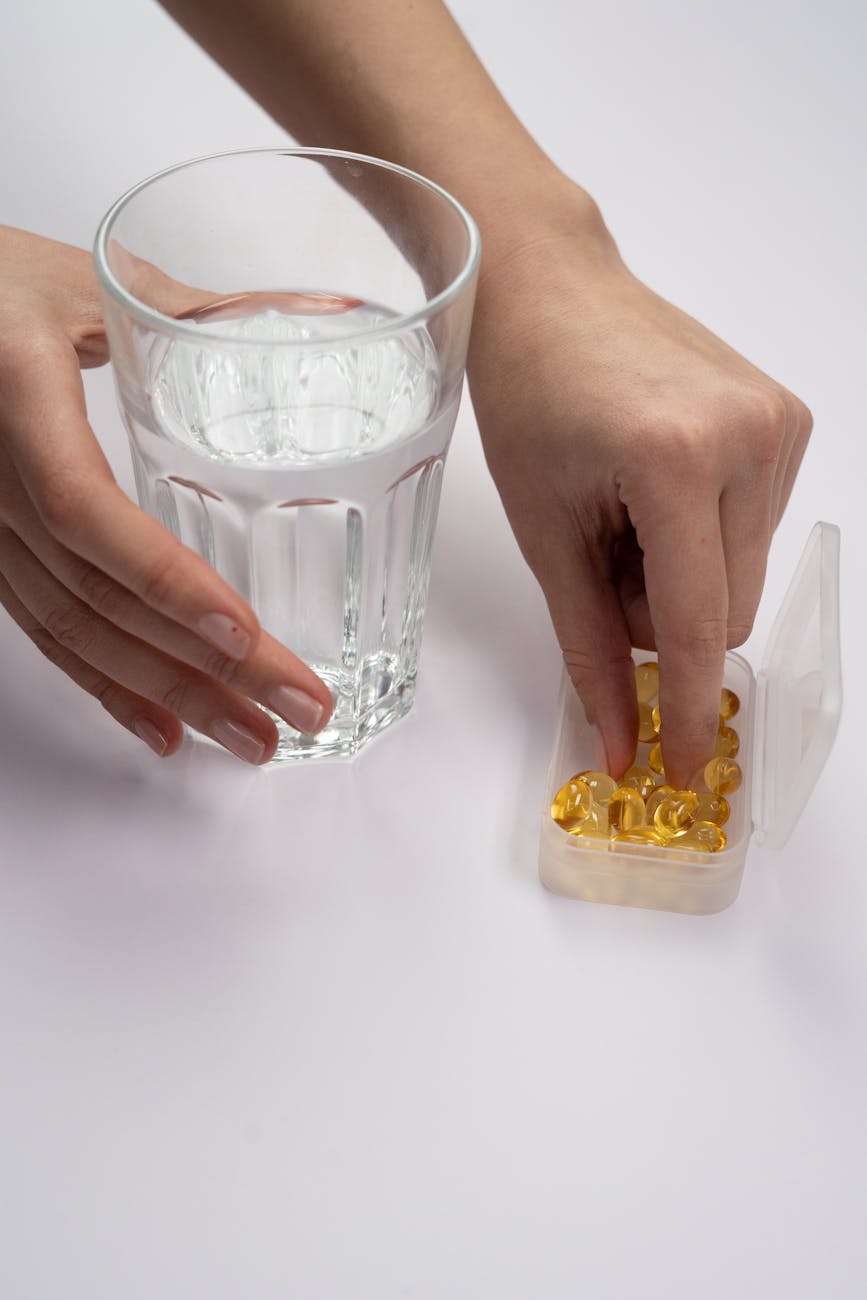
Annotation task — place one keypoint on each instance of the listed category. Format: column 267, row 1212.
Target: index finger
column 687, row 592
column 72, row 487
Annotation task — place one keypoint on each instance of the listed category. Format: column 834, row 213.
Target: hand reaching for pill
column 643, row 465
column 103, row 590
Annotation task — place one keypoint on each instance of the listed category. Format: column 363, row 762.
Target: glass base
column 348, row 730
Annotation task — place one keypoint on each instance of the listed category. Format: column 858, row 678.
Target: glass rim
column 162, row 323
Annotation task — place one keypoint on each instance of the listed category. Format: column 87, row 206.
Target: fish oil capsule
column 674, row 813
column 572, row 803
column 647, row 682
column 601, row 785
column 655, row 799
column 639, row 778
column 587, row 831
column 728, row 704
column 705, row 836
column 727, row 743
column 599, row 817
column 625, row 810
column 646, row 729
column 654, row 760
column 722, row 775
column 712, row 808
column 638, row 835
column 655, row 719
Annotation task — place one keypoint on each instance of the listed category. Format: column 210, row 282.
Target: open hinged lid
column 798, row 690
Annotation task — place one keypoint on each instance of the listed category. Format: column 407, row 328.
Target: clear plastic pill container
column 788, row 719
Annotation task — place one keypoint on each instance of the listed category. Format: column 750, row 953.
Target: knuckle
column 176, row 696
column 704, row 642
column 805, row 418
column 110, row 695
column 62, row 502
column 682, row 446
column 579, row 663
column 739, row 629
column 101, row 592
column 158, row 581
column 221, row 668
column 71, row 627
column 50, row 648
column 770, row 419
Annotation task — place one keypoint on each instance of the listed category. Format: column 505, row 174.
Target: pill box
column 787, row 723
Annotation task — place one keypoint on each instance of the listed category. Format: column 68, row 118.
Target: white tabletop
column 318, row 1031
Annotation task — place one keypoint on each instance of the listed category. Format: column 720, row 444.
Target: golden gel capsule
column 625, row 810
column 598, row 818
column 646, row 730
column 572, row 803
column 712, row 808
column 638, row 835
column 655, row 719
column 639, row 778
column 602, row 786
column 647, row 682
column 654, row 760
column 705, row 836
column 587, row 831
column 728, row 704
column 722, row 775
column 655, row 799
column 674, row 813
column 727, row 743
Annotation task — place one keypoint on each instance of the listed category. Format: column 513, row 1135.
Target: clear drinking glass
column 288, row 332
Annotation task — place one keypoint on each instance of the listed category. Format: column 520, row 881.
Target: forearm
column 392, row 78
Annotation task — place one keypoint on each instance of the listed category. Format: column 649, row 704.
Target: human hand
column 643, row 465
column 104, row 591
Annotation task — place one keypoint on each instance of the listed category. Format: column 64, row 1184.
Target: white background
column 320, row 1032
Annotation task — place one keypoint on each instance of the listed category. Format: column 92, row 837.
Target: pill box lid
column 798, row 690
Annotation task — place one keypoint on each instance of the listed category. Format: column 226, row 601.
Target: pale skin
column 643, row 464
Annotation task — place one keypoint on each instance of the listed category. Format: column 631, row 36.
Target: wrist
column 541, row 209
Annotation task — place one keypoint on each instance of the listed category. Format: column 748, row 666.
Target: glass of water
column 288, row 331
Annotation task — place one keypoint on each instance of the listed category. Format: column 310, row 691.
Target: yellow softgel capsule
column 654, row 760
column 625, row 810
column 642, row 779
column 655, row 799
column 727, row 743
column 597, row 820
column 722, row 775
column 656, row 719
column 646, row 729
column 638, row 835
column 572, row 803
column 728, row 704
column 586, row 831
column 647, row 681
column 705, row 836
column 674, row 813
column 712, row 808
column 601, row 785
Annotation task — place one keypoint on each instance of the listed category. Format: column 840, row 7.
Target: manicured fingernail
column 224, row 633
column 242, row 742
column 151, row 735
column 298, row 709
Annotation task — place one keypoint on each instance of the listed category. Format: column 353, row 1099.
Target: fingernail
column 151, row 735
column 224, row 633
column 239, row 740
column 297, row 708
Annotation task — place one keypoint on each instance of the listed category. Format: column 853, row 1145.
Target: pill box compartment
column 787, row 722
